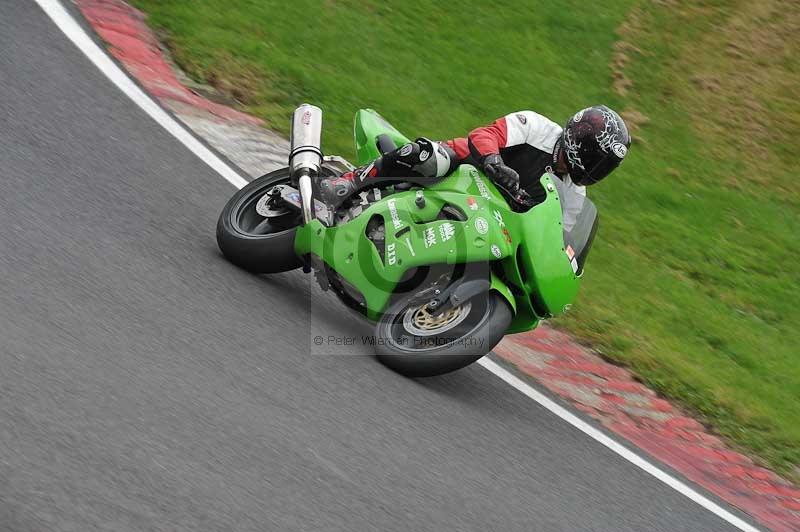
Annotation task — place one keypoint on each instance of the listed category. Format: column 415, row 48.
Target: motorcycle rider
column 514, row 151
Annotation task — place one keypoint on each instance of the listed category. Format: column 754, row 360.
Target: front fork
column 306, row 198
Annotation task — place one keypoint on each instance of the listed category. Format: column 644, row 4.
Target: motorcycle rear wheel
column 413, row 343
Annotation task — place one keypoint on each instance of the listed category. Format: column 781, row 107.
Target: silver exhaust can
column 305, row 157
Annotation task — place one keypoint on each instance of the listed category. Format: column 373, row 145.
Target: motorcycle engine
column 359, row 203
column 375, row 231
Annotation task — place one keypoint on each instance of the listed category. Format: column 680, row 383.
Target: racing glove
column 503, row 175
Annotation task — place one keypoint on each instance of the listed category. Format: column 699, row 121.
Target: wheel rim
column 420, row 322
column 258, row 214
column 413, row 332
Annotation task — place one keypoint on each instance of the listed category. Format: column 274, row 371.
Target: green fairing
column 368, row 125
column 533, row 272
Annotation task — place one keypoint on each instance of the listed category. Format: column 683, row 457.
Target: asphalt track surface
column 147, row 384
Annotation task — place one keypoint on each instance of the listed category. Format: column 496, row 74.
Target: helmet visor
column 604, row 166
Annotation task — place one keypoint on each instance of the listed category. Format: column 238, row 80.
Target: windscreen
column 579, row 219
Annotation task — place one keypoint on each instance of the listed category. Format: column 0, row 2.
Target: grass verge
column 693, row 282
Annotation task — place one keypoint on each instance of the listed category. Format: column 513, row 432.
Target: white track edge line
column 75, row 33
column 614, row 445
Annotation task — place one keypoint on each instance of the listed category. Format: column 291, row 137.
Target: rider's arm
column 523, row 127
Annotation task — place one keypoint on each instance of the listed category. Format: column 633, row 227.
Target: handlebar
column 519, row 201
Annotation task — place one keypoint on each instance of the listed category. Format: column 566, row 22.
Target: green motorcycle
column 444, row 270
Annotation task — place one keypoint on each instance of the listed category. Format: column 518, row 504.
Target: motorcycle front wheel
column 254, row 242
column 256, row 237
column 414, row 343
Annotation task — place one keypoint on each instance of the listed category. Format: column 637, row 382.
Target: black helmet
column 594, row 141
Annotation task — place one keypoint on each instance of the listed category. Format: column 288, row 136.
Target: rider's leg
column 421, row 158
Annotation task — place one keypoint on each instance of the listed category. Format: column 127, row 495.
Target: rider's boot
column 423, row 157
column 334, row 190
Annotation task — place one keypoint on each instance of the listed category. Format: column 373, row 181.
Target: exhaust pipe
column 305, row 157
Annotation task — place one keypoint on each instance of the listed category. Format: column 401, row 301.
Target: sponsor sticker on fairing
column 481, row 187
column 429, row 235
column 391, row 254
column 499, row 218
column 446, row 231
column 396, row 222
column 496, row 251
column 472, row 203
column 573, row 260
column 481, row 225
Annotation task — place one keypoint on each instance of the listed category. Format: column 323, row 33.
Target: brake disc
column 420, row 322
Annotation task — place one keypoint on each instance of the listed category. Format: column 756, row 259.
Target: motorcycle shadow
column 472, row 386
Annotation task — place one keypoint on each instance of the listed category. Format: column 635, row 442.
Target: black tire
column 271, row 248
column 406, row 353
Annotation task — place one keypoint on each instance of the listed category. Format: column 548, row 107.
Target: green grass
column 694, row 279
